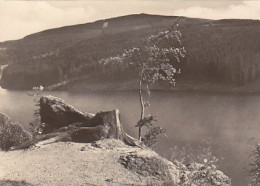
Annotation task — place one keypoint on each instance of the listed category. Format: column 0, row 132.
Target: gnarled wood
column 102, row 126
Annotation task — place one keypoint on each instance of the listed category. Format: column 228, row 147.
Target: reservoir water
column 230, row 121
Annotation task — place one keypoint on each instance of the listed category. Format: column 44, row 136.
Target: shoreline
column 177, row 90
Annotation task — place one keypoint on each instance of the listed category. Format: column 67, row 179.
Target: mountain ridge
column 218, row 51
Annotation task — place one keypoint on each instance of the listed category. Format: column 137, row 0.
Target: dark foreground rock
column 146, row 164
column 56, row 114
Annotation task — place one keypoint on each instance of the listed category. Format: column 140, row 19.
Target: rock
column 78, row 164
column 149, row 164
column 56, row 114
column 106, row 162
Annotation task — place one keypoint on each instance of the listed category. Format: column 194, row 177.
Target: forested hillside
column 223, row 54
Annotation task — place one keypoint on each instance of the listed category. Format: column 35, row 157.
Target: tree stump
column 104, row 125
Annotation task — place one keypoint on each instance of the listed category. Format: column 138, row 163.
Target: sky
column 21, row 18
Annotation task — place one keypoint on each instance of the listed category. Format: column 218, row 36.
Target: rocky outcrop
column 105, row 162
column 56, row 114
column 149, row 164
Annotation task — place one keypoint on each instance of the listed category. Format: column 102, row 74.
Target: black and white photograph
column 130, row 92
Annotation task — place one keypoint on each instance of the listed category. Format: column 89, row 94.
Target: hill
column 221, row 54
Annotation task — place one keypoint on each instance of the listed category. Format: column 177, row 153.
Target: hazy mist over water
column 231, row 121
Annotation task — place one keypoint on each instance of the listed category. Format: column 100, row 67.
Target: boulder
column 149, row 164
column 56, row 114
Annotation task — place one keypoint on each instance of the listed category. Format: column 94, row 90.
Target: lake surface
column 230, row 121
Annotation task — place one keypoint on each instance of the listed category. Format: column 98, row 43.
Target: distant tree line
column 225, row 52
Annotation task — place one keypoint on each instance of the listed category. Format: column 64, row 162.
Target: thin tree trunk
column 141, row 100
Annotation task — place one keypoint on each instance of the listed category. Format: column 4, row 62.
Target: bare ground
column 61, row 164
